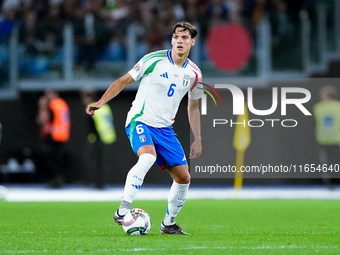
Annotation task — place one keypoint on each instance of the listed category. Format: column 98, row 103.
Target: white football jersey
column 162, row 87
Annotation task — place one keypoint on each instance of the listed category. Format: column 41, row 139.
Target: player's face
column 181, row 41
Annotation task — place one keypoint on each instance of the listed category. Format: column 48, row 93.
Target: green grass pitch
column 216, row 227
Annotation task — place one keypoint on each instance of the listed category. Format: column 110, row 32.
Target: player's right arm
column 136, row 73
column 111, row 92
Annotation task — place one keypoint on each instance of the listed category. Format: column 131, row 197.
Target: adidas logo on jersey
column 165, row 75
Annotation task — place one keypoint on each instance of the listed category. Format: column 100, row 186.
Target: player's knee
column 147, row 159
column 183, row 179
column 187, row 179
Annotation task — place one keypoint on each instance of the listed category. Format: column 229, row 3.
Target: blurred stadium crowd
column 100, row 26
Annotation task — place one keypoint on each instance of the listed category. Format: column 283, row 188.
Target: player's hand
column 92, row 108
column 196, row 149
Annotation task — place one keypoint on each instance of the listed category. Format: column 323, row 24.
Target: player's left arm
column 195, row 124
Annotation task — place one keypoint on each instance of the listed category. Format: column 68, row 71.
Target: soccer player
column 165, row 77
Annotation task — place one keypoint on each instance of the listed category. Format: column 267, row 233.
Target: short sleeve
column 196, row 91
column 137, row 71
column 145, row 64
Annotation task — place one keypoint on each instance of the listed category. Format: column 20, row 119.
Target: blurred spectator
column 169, row 12
column 52, row 26
column 235, row 11
column 155, row 36
column 119, row 15
column 70, row 11
column 280, row 17
column 54, row 119
column 7, row 24
column 217, row 12
column 16, row 5
column 327, row 120
column 41, row 27
column 195, row 10
column 91, row 34
column 257, row 11
column 155, row 18
column 101, row 25
column 101, row 134
column 196, row 13
column 30, row 33
column 40, row 6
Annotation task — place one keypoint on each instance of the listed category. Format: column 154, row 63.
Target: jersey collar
column 172, row 61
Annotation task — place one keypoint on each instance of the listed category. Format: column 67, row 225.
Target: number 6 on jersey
column 171, row 90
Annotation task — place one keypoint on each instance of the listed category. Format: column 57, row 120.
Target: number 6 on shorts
column 139, row 129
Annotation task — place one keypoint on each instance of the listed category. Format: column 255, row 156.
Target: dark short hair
column 186, row 26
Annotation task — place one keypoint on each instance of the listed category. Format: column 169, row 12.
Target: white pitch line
column 115, row 194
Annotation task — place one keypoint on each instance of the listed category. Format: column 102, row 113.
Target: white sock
column 135, row 177
column 176, row 199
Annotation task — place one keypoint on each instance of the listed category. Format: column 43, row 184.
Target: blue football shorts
column 168, row 149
